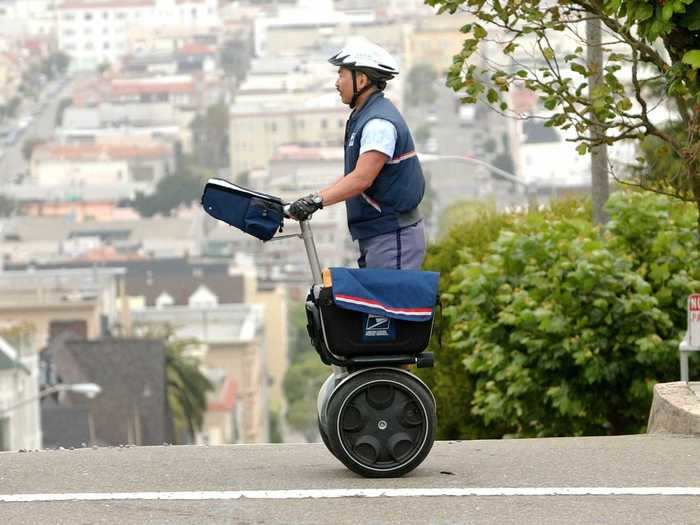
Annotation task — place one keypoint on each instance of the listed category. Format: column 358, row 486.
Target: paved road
column 618, row 463
column 42, row 126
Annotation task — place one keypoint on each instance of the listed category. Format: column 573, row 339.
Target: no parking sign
column 694, row 320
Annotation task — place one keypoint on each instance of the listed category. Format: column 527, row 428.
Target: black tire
column 381, row 423
column 324, row 437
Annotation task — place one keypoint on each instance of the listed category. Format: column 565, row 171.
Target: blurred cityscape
column 113, row 114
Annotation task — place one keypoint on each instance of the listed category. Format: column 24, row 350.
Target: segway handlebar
column 308, row 237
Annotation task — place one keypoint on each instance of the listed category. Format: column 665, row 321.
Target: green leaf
column 548, row 53
column 692, row 58
column 492, row 96
column 667, row 11
column 479, row 32
column 624, row 105
column 644, row 12
column 550, row 103
column 582, row 149
column 578, row 68
column 616, row 57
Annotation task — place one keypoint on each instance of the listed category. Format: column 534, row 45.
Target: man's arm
column 368, row 166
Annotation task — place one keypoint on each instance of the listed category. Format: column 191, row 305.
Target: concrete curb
column 675, row 409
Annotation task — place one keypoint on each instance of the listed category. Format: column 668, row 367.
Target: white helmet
column 359, row 54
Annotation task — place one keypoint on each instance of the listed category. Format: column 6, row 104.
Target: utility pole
column 600, row 186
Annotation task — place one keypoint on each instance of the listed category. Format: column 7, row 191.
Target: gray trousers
column 403, row 249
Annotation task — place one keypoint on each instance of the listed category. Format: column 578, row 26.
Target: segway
column 374, row 416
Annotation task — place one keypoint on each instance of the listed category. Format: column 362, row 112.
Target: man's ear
column 362, row 80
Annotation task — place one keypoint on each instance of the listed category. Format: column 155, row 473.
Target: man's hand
column 302, row 209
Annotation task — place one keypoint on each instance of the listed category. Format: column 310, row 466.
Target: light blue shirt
column 379, row 135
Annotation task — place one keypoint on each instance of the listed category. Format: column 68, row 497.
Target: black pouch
column 257, row 214
column 346, row 331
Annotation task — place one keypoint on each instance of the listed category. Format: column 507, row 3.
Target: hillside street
column 611, row 465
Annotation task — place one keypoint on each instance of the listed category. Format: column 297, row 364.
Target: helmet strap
column 356, row 94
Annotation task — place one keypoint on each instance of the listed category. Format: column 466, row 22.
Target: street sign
column 694, row 320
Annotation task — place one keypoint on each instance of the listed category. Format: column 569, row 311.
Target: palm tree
column 186, row 386
column 186, row 389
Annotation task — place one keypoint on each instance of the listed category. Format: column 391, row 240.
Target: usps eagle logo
column 377, row 326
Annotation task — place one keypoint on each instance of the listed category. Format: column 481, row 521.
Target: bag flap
column 408, row 295
column 221, row 184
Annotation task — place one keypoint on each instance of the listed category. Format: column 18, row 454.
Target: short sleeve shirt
column 379, row 135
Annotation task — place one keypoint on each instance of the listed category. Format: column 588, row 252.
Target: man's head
column 362, row 65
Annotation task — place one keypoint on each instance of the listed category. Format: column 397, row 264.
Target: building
column 80, row 211
column 29, row 17
column 10, row 76
column 232, row 350
column 119, row 170
column 94, row 32
column 216, row 303
column 58, row 240
column 107, row 122
column 435, row 40
column 548, row 160
column 19, row 392
column 316, row 24
column 132, row 407
column 256, row 131
column 54, row 301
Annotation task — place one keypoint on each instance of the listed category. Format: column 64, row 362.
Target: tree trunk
column 600, row 187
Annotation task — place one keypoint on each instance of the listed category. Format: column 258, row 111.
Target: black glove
column 302, row 209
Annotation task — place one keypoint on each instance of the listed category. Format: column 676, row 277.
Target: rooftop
column 100, row 152
column 225, row 323
column 299, row 152
column 105, row 4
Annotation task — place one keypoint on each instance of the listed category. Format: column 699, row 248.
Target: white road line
column 354, row 493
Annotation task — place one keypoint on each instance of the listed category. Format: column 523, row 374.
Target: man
column 383, row 182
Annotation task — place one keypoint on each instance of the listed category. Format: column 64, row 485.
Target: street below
column 601, row 480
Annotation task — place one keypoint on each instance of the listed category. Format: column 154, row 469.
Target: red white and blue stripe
column 407, row 295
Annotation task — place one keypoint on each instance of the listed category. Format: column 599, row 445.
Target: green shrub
column 554, row 328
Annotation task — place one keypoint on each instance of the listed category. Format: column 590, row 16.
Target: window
column 324, row 123
column 88, row 16
column 105, row 45
column 142, row 173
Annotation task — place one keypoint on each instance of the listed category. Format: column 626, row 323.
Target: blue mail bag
column 377, row 312
column 257, row 214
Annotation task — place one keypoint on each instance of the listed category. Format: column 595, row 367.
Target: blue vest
column 399, row 187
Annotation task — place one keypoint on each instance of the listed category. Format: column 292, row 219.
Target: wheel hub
column 383, row 424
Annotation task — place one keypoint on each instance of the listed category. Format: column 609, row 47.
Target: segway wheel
column 381, row 423
column 324, row 437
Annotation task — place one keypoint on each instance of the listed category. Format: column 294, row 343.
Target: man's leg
column 400, row 250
